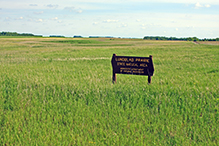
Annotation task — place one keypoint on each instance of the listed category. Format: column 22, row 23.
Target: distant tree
column 94, row 37
column 77, row 36
column 15, row 34
column 189, row 39
column 195, row 39
column 58, row 36
column 182, row 39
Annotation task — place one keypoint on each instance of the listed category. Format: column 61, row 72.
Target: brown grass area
column 209, row 42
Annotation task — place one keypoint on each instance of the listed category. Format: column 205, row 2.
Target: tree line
column 16, row 34
column 179, row 39
column 146, row 37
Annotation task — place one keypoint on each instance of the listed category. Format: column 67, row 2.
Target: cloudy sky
column 118, row 18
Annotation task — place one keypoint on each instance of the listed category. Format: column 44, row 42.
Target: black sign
column 132, row 65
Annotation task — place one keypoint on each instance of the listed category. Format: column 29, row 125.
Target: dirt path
column 83, row 58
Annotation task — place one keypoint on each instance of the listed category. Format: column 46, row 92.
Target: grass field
column 59, row 91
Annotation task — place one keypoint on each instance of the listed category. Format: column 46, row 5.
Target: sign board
column 132, row 65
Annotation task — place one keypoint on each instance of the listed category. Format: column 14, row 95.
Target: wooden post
column 114, row 74
column 149, row 76
column 149, row 79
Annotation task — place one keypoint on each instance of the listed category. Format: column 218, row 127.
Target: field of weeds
column 59, row 91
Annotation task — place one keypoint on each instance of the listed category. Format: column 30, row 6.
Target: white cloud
column 23, row 4
column 73, row 9
column 56, row 18
column 40, row 20
column 79, row 11
column 20, row 18
column 70, row 8
column 207, row 6
column 121, row 1
column 123, row 25
column 176, row 29
column 198, row 5
column 95, row 23
column 110, row 21
column 168, row 1
column 37, row 13
column 30, row 19
column 52, row 6
column 7, row 18
column 33, row 5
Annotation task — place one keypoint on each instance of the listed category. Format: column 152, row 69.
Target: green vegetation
column 87, row 41
column 13, row 34
column 53, row 92
column 57, row 36
column 18, row 34
column 178, row 39
column 91, row 42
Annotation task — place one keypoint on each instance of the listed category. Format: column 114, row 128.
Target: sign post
column 132, row 65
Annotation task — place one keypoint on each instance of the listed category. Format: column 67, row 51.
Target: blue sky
column 118, row 18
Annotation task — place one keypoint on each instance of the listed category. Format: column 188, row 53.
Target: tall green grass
column 62, row 94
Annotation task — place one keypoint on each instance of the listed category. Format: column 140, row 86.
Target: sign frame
column 132, row 65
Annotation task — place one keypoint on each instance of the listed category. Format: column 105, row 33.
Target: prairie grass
column 54, row 91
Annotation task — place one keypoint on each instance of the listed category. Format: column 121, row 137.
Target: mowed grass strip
column 48, row 97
